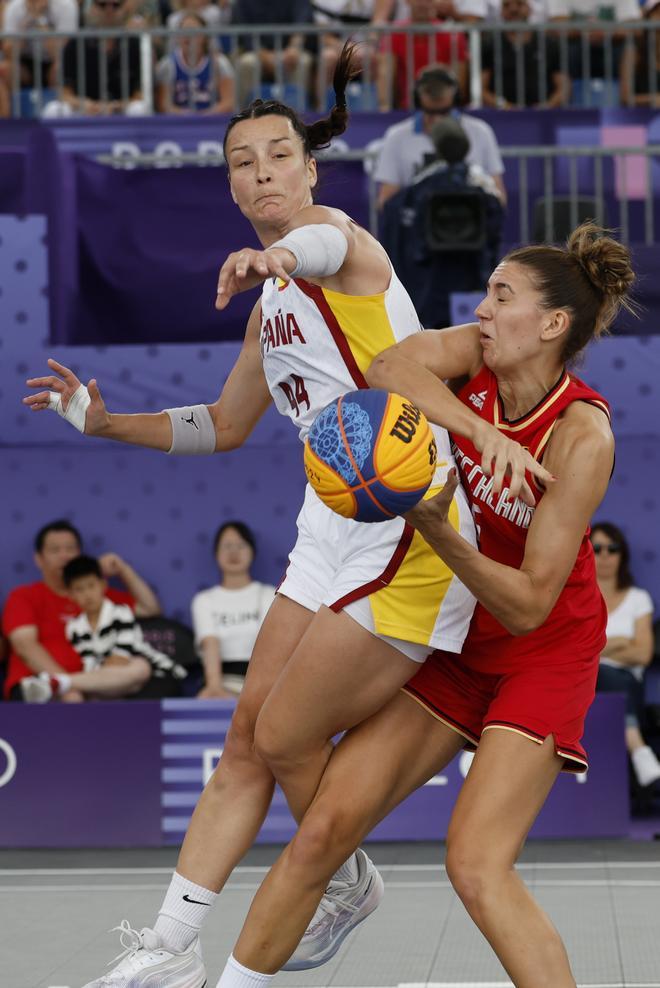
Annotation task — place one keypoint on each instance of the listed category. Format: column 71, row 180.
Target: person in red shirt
column 35, row 615
column 399, row 70
column 520, row 689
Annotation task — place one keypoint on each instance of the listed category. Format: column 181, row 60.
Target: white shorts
column 384, row 575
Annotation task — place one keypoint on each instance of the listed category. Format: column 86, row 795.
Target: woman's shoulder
column 639, row 600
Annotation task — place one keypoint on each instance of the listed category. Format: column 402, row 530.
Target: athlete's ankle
column 184, row 911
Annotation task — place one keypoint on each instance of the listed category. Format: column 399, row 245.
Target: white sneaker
column 146, row 963
column 646, row 765
column 342, row 908
column 36, row 689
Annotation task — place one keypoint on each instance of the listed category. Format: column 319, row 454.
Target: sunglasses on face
column 108, row 4
column 435, row 113
column 613, row 549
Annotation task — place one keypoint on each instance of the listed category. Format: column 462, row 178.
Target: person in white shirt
column 37, row 59
column 408, row 147
column 227, row 618
column 629, row 647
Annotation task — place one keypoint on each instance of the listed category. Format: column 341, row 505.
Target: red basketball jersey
column 575, row 627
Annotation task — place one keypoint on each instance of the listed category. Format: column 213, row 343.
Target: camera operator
column 443, row 231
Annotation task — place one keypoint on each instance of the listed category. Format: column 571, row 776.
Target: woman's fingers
column 65, row 372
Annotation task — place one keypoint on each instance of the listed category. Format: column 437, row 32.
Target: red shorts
column 535, row 701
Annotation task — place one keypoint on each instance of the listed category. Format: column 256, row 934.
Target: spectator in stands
column 111, row 81
column 29, row 64
column 408, row 147
column 640, row 64
column 213, row 14
column 468, row 11
column 443, row 231
column 522, row 68
column 35, row 614
column 270, row 58
column 226, row 618
column 351, row 19
column 629, row 647
column 593, row 63
column 194, row 77
column 107, row 638
column 397, row 71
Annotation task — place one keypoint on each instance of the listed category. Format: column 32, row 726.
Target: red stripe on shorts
column 315, row 292
column 386, row 576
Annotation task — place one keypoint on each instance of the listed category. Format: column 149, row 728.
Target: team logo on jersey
column 478, row 399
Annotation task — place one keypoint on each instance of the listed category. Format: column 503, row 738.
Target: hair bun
column 605, row 262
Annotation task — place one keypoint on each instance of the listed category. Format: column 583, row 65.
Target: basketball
column 370, row 455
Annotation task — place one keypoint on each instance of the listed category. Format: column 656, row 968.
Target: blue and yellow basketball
column 370, row 455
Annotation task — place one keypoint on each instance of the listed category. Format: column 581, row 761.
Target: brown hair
column 318, row 134
column 590, row 277
column 624, row 577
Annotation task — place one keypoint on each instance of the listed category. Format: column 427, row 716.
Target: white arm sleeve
column 319, row 249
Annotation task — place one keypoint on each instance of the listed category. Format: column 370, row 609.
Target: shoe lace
column 130, row 939
column 333, row 901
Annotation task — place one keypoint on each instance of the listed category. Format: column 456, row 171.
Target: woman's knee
column 326, row 837
column 273, row 744
column 476, row 876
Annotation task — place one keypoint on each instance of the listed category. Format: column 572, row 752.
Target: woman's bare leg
column 508, row 782
column 235, row 801
column 371, row 771
column 339, row 675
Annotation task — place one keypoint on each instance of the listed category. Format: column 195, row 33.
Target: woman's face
column 269, row 176
column 608, row 555
column 192, row 47
column 234, row 555
column 514, row 327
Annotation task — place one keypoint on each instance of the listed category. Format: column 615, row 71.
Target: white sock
column 63, row 682
column 237, row 976
column 348, row 872
column 183, row 912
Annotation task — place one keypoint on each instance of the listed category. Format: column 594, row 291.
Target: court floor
column 604, row 896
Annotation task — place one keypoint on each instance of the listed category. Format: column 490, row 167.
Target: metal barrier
column 585, row 197
column 564, row 49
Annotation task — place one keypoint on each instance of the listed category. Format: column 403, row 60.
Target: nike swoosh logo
column 186, row 898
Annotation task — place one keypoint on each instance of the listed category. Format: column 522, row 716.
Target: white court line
column 252, row 887
column 262, row 869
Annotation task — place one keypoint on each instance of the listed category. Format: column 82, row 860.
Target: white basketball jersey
column 317, row 344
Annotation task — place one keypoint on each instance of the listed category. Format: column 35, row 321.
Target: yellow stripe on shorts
column 409, row 606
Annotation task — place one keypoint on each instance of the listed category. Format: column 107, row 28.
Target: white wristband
column 76, row 410
column 193, row 432
column 319, row 249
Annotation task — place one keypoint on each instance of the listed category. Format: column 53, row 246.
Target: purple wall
column 160, row 512
column 93, row 775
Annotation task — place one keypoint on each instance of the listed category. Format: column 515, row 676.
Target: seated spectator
column 522, row 68
column 283, row 58
column 37, row 60
column 112, row 80
column 468, row 11
column 629, row 647
column 348, row 18
column 397, row 71
column 603, row 47
column 443, row 232
column 35, row 615
column 640, row 63
column 408, row 147
column 226, row 618
column 214, row 15
column 107, row 638
column 194, row 78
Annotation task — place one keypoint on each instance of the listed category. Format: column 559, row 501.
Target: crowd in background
column 214, row 72
column 72, row 637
